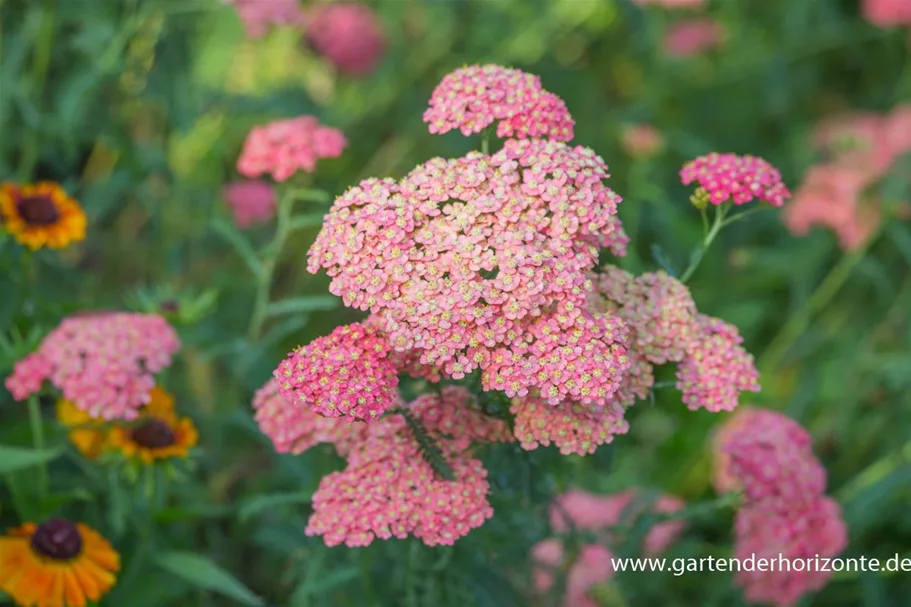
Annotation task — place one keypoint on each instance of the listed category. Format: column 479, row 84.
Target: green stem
column 797, row 324
column 37, row 425
column 706, row 242
column 875, row 472
column 41, row 61
column 267, row 269
column 485, row 141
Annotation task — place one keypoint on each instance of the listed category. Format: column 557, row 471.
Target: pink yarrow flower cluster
column 887, row 13
column 482, row 263
column 740, row 179
column 348, row 373
column 389, row 489
column 785, row 511
column 581, row 511
column 250, row 202
column 472, row 98
column 641, row 140
column 259, row 16
column 692, row 37
column 672, row 4
column 348, row 34
column 284, row 147
column 665, row 326
column 860, row 149
column 104, row 362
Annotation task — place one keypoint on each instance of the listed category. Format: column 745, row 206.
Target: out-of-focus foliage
column 139, row 108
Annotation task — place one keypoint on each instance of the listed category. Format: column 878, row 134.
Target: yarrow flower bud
column 347, row 373
column 472, row 98
column 739, row 179
column 390, row 490
column 785, row 511
column 259, row 15
column 284, row 147
column 104, row 363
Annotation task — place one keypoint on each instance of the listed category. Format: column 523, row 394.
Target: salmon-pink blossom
column 250, row 201
column 716, row 369
column 769, row 456
column 482, row 262
column 259, row 16
column 692, row 37
column 739, row 179
column 103, row 362
column 571, row 427
column 348, row 34
column 390, row 490
column 284, row 147
column 294, row 427
column 582, row 511
column 672, row 4
column 347, row 373
column 816, row 531
column 887, row 13
column 472, row 98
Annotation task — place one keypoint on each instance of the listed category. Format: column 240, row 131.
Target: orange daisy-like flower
column 88, row 434
column 41, row 215
column 158, row 432
column 56, row 564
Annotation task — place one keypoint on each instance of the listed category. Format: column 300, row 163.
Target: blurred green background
column 140, row 107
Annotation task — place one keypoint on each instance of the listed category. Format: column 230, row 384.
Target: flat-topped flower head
column 769, row 456
column 347, row 373
column 816, row 531
column 104, row 363
column 348, row 34
column 716, row 370
column 284, row 147
column 472, row 98
column 294, row 427
column 481, row 262
column 390, row 490
column 571, row 427
column 739, row 179
column 41, row 215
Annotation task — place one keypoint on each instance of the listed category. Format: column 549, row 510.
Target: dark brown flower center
column 57, row 539
column 38, row 210
column 154, row 434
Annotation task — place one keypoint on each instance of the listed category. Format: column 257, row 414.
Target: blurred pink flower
column 816, row 531
column 672, row 4
column 831, row 195
column 886, row 13
column 693, row 36
column 250, row 201
column 284, row 147
column 259, row 15
column 104, row 362
column 593, row 565
column 348, row 34
column 641, row 140
column 739, row 179
column 472, row 98
column 897, row 128
column 857, row 142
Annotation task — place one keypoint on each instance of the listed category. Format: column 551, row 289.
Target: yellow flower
column 41, row 214
column 88, row 434
column 56, row 564
column 157, row 433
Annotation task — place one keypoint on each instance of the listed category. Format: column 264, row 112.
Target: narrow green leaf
column 662, row 260
column 201, row 572
column 306, row 221
column 307, row 303
column 254, row 505
column 15, row 458
column 239, row 243
column 319, row 584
